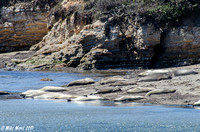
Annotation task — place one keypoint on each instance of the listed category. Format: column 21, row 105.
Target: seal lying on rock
column 52, row 95
column 123, row 83
column 153, row 72
column 139, row 90
column 183, row 72
column 32, row 93
column 40, row 94
column 160, row 91
column 3, row 93
column 129, row 98
column 87, row 98
column 53, row 89
column 81, row 82
column 109, row 80
column 108, row 90
column 156, row 77
column 197, row 103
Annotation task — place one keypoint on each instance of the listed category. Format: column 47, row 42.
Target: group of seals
column 157, row 75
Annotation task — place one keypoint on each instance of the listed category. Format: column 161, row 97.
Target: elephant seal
column 160, row 91
column 109, row 80
column 108, row 90
column 139, row 90
column 52, row 95
column 197, row 103
column 123, row 83
column 4, row 93
column 87, row 98
column 85, row 81
column 184, row 72
column 128, row 98
column 32, row 93
column 53, row 89
column 157, row 77
column 153, row 72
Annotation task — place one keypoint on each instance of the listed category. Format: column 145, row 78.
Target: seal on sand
column 82, row 82
column 157, row 77
column 184, row 72
column 160, row 91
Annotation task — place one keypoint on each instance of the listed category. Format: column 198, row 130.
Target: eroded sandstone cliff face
column 76, row 39
column 23, row 23
column 88, row 45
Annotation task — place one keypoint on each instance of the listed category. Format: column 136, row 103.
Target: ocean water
column 99, row 116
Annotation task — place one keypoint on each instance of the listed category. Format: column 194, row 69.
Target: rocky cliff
column 85, row 37
column 23, row 23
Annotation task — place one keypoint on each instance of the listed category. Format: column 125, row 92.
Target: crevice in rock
column 158, row 51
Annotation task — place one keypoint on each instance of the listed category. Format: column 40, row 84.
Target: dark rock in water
column 108, row 90
column 11, row 96
column 3, row 93
column 46, row 79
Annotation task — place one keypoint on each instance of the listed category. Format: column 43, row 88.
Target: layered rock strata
column 23, row 24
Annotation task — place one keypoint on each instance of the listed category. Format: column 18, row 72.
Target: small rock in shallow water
column 129, row 98
column 81, row 82
column 46, row 79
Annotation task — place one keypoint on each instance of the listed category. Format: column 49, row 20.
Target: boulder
column 109, row 80
column 139, row 90
column 129, row 98
column 85, row 81
column 160, row 91
column 87, row 98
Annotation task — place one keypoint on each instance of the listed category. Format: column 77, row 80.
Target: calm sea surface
column 49, row 115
